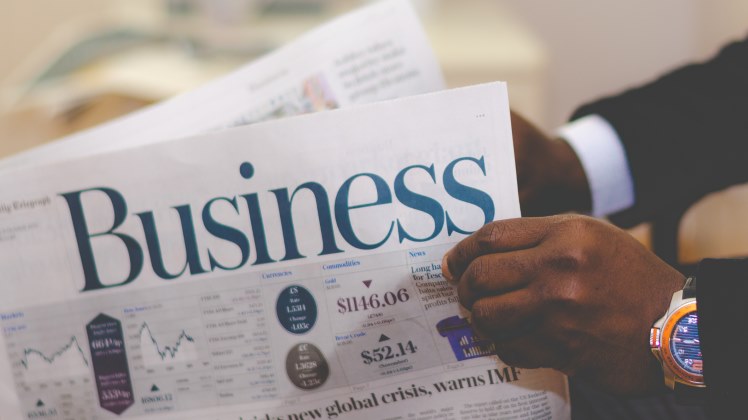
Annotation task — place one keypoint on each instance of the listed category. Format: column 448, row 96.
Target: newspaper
column 377, row 52
column 282, row 270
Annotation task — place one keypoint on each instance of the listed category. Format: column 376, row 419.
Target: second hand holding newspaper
column 282, row 270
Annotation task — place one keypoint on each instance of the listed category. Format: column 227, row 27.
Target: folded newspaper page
column 375, row 53
column 282, row 270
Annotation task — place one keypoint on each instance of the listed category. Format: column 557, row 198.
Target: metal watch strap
column 689, row 290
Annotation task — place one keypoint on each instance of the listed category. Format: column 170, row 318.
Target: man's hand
column 566, row 292
column 550, row 177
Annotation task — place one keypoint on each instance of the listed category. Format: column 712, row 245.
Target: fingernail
column 476, row 332
column 445, row 269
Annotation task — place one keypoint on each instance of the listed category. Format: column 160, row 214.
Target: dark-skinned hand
column 566, row 292
column 550, row 177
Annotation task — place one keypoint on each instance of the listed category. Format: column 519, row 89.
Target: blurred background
column 68, row 64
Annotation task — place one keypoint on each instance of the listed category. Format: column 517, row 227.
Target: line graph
column 68, row 360
column 154, row 353
column 55, row 355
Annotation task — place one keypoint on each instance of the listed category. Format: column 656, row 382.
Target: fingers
column 500, row 236
column 507, row 316
column 495, row 274
column 514, row 322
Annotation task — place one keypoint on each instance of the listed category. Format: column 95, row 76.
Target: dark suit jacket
column 686, row 135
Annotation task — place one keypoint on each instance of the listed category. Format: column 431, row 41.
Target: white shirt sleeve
column 603, row 158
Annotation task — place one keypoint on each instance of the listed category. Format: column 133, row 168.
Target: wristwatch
column 674, row 340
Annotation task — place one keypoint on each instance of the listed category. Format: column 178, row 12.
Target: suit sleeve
column 685, row 134
column 722, row 287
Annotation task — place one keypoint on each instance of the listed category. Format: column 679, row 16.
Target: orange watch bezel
column 681, row 375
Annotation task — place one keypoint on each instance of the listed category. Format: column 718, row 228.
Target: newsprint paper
column 281, row 270
column 377, row 52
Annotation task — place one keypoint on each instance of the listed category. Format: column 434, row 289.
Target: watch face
column 684, row 344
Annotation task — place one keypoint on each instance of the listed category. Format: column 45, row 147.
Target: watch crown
column 654, row 338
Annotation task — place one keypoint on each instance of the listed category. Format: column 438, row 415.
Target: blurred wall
column 595, row 47
column 600, row 47
column 26, row 24
column 720, row 20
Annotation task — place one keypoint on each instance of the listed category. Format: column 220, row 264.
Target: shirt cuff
column 604, row 161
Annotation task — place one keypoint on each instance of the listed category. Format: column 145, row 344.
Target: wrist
column 569, row 178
